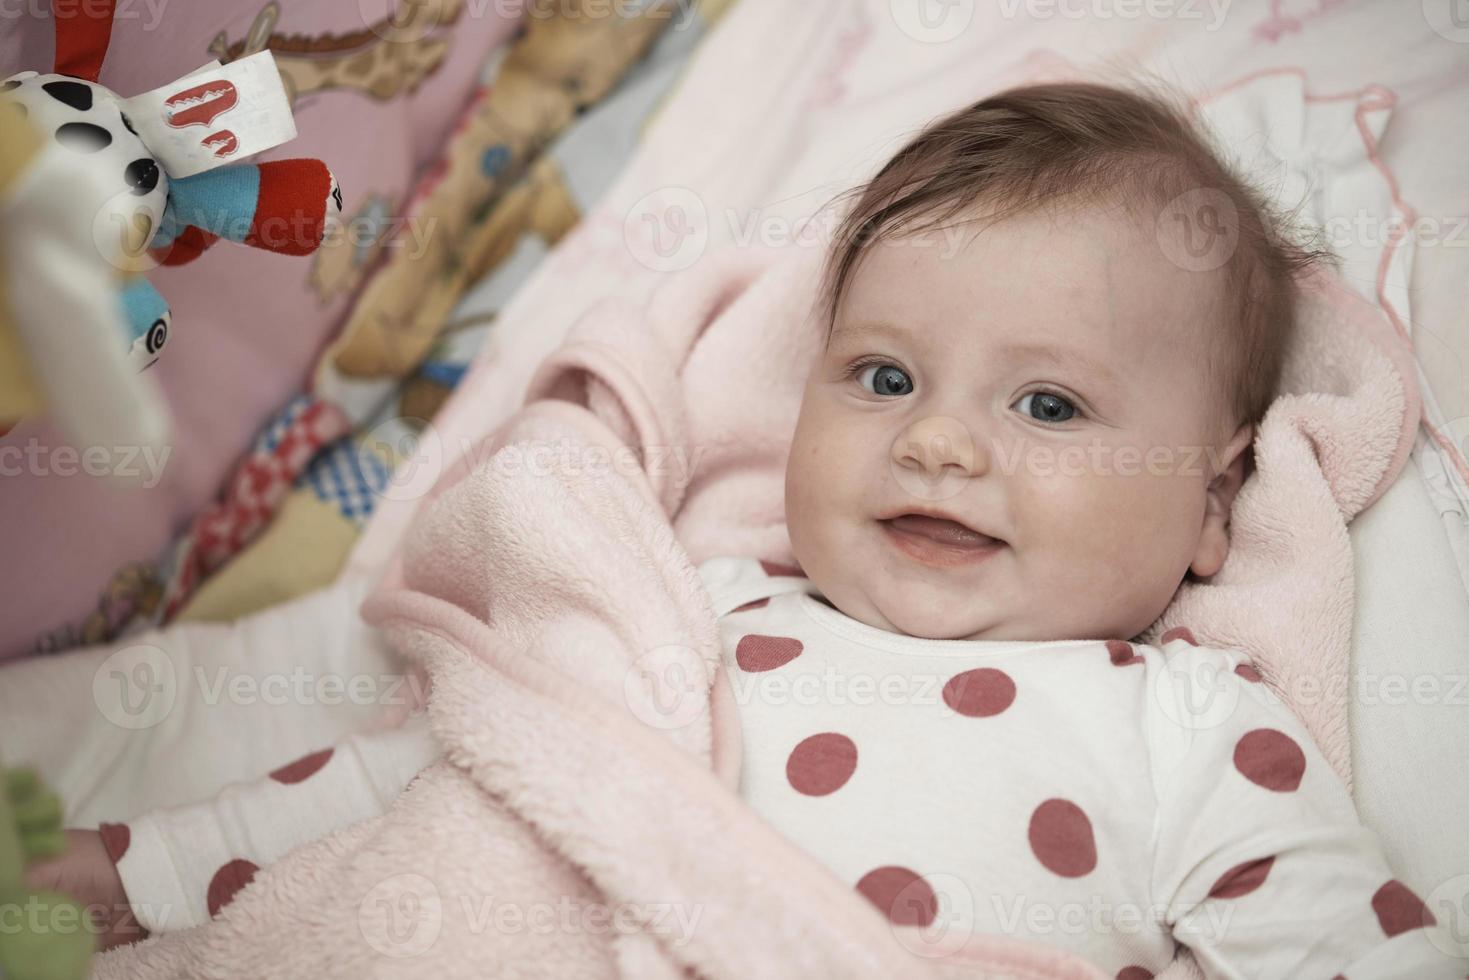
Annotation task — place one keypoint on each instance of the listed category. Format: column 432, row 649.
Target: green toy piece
column 42, row 933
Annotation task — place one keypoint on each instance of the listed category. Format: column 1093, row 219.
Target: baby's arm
column 181, row 864
column 1261, row 862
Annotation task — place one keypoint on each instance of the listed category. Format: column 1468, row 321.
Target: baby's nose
column 934, row 449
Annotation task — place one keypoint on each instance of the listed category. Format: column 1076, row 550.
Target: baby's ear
column 1227, row 467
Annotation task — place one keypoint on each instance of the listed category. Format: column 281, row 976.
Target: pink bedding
column 548, row 592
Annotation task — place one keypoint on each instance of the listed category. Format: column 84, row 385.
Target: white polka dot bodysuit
column 1113, row 799
column 1105, row 797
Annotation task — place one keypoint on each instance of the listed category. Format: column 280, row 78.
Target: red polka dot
column 752, row 604
column 115, row 839
column 1061, row 838
column 227, row 881
column 821, row 764
column 1248, row 672
column 756, row 653
column 1271, row 759
column 1180, row 633
column 777, row 570
column 1399, row 910
column 1122, row 653
column 980, row 693
column 1134, row 973
column 902, row 895
column 1242, row 878
column 303, row 768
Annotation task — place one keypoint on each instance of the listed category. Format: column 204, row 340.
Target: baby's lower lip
column 945, row 554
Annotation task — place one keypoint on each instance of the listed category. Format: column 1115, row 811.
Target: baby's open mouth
column 938, row 540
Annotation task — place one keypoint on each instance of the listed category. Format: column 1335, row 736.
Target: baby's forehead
column 1098, row 280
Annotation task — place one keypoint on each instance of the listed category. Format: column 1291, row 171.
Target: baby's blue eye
column 885, row 379
column 1046, row 407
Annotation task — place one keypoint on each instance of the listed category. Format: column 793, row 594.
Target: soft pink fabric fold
column 590, row 751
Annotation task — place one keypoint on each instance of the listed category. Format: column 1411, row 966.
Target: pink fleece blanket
column 583, row 819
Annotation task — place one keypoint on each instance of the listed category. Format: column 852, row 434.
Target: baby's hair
column 1080, row 142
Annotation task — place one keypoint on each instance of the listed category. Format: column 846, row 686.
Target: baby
column 1008, row 458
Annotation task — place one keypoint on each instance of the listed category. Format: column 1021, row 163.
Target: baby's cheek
column 818, row 475
column 1111, row 519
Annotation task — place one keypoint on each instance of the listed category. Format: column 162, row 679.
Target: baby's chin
column 971, row 627
column 898, row 610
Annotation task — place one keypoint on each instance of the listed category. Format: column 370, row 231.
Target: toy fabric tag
column 219, row 114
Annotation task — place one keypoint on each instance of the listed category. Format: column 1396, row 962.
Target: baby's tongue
column 939, row 529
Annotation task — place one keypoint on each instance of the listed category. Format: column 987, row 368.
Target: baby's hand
column 85, row 872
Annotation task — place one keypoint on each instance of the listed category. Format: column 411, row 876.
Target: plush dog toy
column 158, row 190
column 62, row 303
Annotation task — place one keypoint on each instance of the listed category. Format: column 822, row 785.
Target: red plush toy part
column 290, row 217
column 83, row 32
column 191, row 243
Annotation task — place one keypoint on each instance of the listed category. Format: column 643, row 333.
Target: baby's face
column 1046, row 388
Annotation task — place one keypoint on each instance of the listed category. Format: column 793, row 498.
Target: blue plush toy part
column 282, row 206
column 221, row 202
column 147, row 318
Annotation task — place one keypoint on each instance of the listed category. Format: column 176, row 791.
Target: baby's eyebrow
column 867, row 328
column 1063, row 356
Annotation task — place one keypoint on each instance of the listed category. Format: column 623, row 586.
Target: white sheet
column 120, row 730
column 1410, row 663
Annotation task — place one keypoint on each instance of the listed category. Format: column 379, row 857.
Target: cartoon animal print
column 389, row 57
column 350, row 248
column 132, row 596
column 555, row 68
